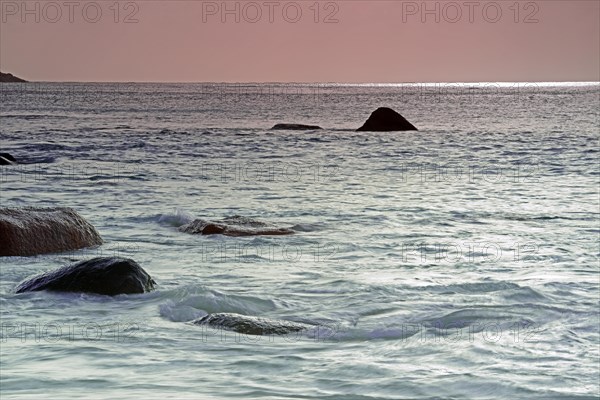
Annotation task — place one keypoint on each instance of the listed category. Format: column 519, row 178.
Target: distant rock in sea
column 7, row 159
column 295, row 127
column 386, row 120
column 103, row 275
column 233, row 226
column 251, row 325
column 30, row 231
column 8, row 78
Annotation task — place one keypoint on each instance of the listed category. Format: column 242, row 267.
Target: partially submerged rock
column 295, row 127
column 9, row 78
column 7, row 159
column 29, row 231
column 233, row 226
column 251, row 325
column 384, row 120
column 103, row 275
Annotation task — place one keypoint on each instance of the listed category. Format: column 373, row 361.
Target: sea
column 459, row 261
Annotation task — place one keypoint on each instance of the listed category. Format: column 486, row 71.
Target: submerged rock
column 7, row 159
column 384, row 120
column 295, row 127
column 102, row 275
column 233, row 226
column 251, row 325
column 29, row 231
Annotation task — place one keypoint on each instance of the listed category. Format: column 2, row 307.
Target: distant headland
column 5, row 77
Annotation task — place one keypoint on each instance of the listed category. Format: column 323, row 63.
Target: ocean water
column 459, row 261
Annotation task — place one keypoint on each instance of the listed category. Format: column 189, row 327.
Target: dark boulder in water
column 103, row 275
column 295, row 127
column 29, row 231
column 233, row 226
column 8, row 156
column 251, row 325
column 386, row 120
column 7, row 159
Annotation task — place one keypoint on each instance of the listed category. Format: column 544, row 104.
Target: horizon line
column 325, row 83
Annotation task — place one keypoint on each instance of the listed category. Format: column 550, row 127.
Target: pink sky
column 372, row 41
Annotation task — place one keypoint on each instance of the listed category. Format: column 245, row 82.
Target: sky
column 353, row 41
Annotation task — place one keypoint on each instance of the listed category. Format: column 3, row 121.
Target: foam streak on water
column 459, row 261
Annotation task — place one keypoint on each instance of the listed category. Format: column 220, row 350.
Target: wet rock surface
column 251, row 325
column 103, row 275
column 7, row 159
column 29, row 231
column 233, row 226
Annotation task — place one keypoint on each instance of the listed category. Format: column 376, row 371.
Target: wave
column 33, row 117
column 308, row 227
column 474, row 217
column 26, row 160
column 483, row 287
column 176, row 219
column 191, row 302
